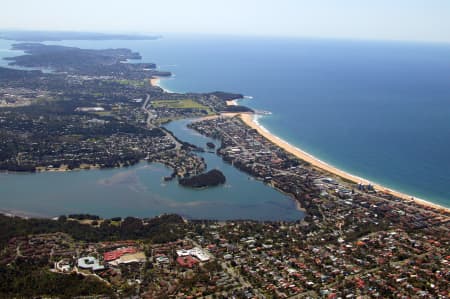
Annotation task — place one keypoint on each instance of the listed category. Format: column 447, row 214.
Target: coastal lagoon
column 378, row 110
column 140, row 191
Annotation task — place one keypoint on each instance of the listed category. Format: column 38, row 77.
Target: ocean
column 379, row 110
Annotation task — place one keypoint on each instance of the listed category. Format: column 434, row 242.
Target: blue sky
column 420, row 20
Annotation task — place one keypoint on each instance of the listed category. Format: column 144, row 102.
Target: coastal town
column 80, row 119
column 355, row 241
column 249, row 259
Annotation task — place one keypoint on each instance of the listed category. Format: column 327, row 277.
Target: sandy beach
column 251, row 121
column 232, row 103
column 154, row 81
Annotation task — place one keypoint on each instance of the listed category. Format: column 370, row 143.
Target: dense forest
column 23, row 280
column 159, row 229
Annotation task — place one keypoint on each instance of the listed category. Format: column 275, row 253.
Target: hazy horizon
column 412, row 20
column 212, row 35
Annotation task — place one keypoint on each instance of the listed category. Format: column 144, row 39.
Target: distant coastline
column 22, row 214
column 251, row 120
column 51, row 36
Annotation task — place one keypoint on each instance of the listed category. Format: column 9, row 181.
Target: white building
column 90, row 262
column 195, row 252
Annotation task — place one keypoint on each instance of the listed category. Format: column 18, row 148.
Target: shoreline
column 251, row 121
column 156, row 81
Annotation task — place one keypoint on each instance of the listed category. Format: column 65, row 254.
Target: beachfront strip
column 249, row 259
column 248, row 150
